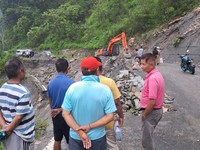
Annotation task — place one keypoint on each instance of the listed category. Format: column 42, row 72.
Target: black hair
column 88, row 73
column 136, row 49
column 148, row 56
column 61, row 65
column 141, row 47
column 98, row 59
column 13, row 66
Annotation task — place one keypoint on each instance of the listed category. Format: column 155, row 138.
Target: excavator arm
column 109, row 50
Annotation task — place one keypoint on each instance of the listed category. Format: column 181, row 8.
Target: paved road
column 177, row 130
column 180, row 130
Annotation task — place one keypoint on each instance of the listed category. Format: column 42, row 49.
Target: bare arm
column 54, row 112
column 15, row 122
column 149, row 108
column 101, row 122
column 50, row 103
column 119, row 112
column 2, row 120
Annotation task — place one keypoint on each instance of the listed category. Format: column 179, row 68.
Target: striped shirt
column 15, row 99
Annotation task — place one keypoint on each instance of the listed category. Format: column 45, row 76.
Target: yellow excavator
column 113, row 49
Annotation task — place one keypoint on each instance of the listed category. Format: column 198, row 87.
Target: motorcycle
column 187, row 63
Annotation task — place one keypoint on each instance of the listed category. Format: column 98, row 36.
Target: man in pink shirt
column 151, row 100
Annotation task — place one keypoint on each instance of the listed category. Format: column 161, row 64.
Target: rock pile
column 130, row 85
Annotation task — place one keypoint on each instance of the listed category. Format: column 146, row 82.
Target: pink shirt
column 154, row 88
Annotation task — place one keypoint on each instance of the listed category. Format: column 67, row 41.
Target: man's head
column 148, row 62
column 62, row 65
column 100, row 67
column 89, row 66
column 15, row 68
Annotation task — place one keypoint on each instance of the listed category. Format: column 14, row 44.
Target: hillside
column 185, row 32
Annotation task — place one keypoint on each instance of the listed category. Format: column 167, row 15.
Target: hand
column 6, row 128
column 85, row 128
column 143, row 116
column 121, row 121
column 86, row 141
column 54, row 112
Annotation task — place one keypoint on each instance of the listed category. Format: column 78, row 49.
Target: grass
column 28, row 75
column 40, row 124
column 23, row 58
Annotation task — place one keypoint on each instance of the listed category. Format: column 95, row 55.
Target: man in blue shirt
column 88, row 104
column 56, row 90
column 141, row 51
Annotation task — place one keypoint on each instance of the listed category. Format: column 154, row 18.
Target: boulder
column 138, row 95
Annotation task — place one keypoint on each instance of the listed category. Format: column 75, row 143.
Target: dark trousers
column 98, row 144
column 148, row 126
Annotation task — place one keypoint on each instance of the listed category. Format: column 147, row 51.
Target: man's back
column 141, row 51
column 15, row 99
column 57, row 89
column 89, row 101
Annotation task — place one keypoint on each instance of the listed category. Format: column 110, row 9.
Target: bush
column 176, row 42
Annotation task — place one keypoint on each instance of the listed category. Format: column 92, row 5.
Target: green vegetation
column 2, row 82
column 28, row 75
column 176, row 41
column 23, row 58
column 40, row 125
column 88, row 24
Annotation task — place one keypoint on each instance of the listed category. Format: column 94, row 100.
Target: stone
column 137, row 104
column 138, row 95
column 129, row 103
column 125, row 107
column 125, row 72
column 127, row 55
column 168, row 102
column 165, row 108
column 136, row 66
column 131, row 94
column 124, row 93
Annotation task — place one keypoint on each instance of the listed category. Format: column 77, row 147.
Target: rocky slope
column 187, row 29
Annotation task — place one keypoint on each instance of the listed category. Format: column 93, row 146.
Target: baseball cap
column 89, row 64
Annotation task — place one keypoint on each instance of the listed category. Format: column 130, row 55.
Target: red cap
column 90, row 64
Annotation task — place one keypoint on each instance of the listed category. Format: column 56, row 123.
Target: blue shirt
column 89, row 100
column 57, row 88
column 15, row 100
column 141, row 51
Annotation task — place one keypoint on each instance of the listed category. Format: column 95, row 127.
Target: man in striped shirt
column 16, row 110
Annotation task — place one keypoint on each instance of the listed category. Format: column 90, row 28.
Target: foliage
column 4, row 57
column 40, row 124
column 176, row 42
column 88, row 24
column 23, row 58
column 28, row 75
column 2, row 82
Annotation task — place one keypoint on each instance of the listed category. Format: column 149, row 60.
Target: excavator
column 113, row 49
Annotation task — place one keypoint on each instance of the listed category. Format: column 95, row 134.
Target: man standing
column 110, row 133
column 141, row 51
column 88, row 104
column 151, row 100
column 56, row 90
column 16, row 110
